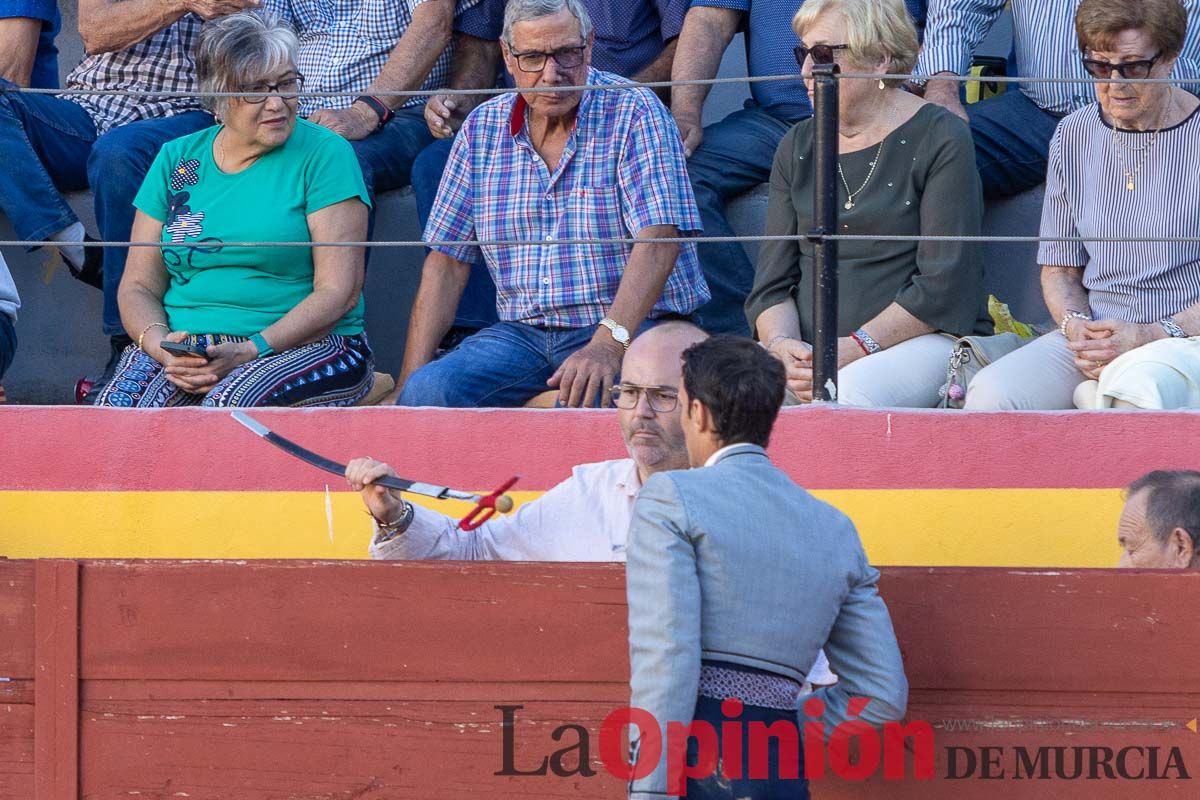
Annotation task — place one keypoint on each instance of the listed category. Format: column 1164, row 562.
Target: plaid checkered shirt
column 162, row 62
column 344, row 45
column 622, row 170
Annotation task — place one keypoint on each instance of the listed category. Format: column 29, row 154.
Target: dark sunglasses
column 288, row 89
column 821, row 53
column 1130, row 70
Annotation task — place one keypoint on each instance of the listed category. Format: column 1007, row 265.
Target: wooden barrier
column 275, row 680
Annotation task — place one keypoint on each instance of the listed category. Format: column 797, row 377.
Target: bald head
column 660, row 349
column 654, row 364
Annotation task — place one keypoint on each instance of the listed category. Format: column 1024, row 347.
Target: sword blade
column 333, row 467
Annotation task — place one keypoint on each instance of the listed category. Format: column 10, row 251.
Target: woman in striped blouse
column 1125, row 168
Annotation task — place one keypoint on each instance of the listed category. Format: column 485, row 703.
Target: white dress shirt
column 584, row 518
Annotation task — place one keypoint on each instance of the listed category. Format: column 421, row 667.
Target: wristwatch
column 1172, row 328
column 375, row 104
column 619, row 332
column 390, row 530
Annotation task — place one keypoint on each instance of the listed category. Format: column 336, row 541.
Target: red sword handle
column 485, row 509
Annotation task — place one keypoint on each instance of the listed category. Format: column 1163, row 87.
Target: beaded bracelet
column 1067, row 317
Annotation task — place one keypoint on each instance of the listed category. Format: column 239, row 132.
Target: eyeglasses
column 287, row 89
column 535, row 61
column 661, row 398
column 1130, row 70
column 821, row 53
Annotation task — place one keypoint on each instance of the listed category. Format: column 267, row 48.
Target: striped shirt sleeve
column 953, row 31
column 1058, row 218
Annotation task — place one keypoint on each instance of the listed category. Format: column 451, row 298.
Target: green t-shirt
column 242, row 290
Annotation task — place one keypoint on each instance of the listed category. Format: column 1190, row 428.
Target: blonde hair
column 874, row 29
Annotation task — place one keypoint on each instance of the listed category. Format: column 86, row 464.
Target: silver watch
column 1172, row 328
column 620, row 333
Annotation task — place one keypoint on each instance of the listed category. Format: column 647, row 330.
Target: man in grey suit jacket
column 736, row 577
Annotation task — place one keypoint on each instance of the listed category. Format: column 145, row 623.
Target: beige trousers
column 906, row 375
column 1042, row 375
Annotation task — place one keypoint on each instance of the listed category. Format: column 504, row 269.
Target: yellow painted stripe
column 934, row 527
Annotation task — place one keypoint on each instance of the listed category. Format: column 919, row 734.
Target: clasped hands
column 1097, row 343
column 796, row 357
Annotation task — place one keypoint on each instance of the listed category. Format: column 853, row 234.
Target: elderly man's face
column 652, row 374
column 554, row 40
column 1141, row 549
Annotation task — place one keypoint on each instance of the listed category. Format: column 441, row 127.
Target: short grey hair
column 524, row 10
column 240, row 49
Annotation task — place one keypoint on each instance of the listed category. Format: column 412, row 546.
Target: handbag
column 971, row 354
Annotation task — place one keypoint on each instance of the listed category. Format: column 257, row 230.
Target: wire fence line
column 800, row 237
column 499, row 90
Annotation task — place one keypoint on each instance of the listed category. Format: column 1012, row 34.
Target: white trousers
column 1042, row 375
column 906, row 375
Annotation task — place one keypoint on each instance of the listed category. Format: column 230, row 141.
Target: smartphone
column 184, row 349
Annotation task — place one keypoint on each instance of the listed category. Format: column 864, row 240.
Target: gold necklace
column 874, row 162
column 1120, row 144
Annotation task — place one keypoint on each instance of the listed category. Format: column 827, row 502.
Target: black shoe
column 92, row 271
column 119, row 343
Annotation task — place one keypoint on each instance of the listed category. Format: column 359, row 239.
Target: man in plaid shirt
column 542, row 167
column 372, row 48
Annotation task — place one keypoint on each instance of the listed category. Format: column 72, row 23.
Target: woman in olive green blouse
column 905, row 167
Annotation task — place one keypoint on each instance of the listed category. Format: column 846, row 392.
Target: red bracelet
column 859, row 342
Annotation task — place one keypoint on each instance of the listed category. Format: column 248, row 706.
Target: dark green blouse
column 925, row 183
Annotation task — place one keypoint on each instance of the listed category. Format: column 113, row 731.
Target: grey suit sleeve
column 663, row 592
column 863, row 651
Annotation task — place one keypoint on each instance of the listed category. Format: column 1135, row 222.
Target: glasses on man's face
column 287, row 89
column 1130, row 70
column 564, row 57
column 661, row 398
column 821, row 53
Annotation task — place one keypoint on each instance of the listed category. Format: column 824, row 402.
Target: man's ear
column 1183, row 549
column 699, row 412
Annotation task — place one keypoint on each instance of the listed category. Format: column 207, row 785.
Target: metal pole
column 825, row 217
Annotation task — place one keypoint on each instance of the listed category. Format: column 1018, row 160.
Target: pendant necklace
column 1119, row 144
column 849, row 204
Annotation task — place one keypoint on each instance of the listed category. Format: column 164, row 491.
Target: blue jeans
column 735, row 156
column 116, row 169
column 715, row 787
column 504, row 365
column 8, row 343
column 477, row 307
column 45, row 142
column 387, row 156
column 1012, row 141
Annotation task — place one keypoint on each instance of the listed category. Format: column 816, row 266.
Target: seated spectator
column 584, row 518
column 1012, row 130
column 278, row 326
column 9, row 304
column 56, row 144
column 635, row 40
column 28, row 56
column 1129, row 312
column 905, row 168
column 1160, row 523
column 733, row 155
column 544, row 166
column 373, row 48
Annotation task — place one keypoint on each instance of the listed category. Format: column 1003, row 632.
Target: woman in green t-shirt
column 277, row 326
column 905, row 168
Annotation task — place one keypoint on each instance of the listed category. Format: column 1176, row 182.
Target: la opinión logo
column 874, row 747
